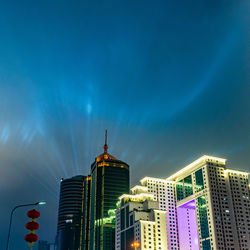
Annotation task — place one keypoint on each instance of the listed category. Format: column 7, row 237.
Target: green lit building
column 109, row 180
column 84, row 240
column 86, row 218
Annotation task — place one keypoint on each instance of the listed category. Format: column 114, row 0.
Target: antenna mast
column 106, row 140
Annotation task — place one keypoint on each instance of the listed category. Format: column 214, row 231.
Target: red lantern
column 33, row 214
column 32, row 225
column 30, row 238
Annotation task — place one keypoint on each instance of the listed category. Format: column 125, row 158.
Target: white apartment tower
column 212, row 203
column 164, row 192
column 205, row 205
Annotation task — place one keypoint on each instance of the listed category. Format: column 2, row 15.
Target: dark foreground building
column 86, row 219
column 44, row 245
column 69, row 213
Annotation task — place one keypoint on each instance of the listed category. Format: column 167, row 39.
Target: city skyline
column 169, row 81
column 204, row 205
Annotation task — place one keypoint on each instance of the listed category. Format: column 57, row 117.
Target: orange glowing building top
column 105, row 159
column 105, row 155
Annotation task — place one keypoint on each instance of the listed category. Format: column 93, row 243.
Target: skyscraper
column 84, row 240
column 217, row 199
column 86, row 219
column 109, row 180
column 207, row 206
column 70, row 213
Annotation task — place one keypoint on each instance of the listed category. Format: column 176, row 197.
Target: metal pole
column 11, row 215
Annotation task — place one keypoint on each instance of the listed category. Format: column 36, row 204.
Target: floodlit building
column 213, row 203
column 164, row 192
column 206, row 207
column 138, row 219
column 86, row 215
column 109, row 180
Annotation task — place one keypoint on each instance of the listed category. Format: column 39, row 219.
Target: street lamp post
column 11, row 215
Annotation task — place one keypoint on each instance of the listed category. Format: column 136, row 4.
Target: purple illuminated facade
column 207, row 206
column 187, row 226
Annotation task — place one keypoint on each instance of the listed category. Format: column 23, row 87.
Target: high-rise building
column 70, row 213
column 139, row 220
column 109, row 180
column 164, row 192
column 84, row 240
column 217, row 200
column 86, row 216
column 207, row 206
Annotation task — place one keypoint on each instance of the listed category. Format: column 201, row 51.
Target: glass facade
column 199, row 180
column 206, row 245
column 110, row 180
column 188, row 186
column 202, row 210
column 127, row 236
column 179, row 190
column 184, row 188
column 122, row 219
column 123, row 243
column 92, row 210
column 84, row 243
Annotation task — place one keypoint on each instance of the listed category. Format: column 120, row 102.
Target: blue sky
column 167, row 79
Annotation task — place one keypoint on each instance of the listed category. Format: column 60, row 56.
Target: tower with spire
column 105, row 147
column 109, row 179
column 86, row 217
column 105, row 154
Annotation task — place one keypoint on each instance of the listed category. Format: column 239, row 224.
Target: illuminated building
column 207, row 206
column 164, row 192
column 219, row 200
column 84, row 240
column 86, row 219
column 138, row 219
column 109, row 180
column 70, row 213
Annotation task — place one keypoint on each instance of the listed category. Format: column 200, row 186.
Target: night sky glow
column 167, row 79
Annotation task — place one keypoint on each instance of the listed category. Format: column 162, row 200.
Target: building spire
column 105, row 145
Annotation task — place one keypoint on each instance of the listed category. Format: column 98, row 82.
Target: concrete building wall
column 241, row 206
column 164, row 193
column 148, row 226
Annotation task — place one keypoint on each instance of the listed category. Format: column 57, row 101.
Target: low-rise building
column 139, row 219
